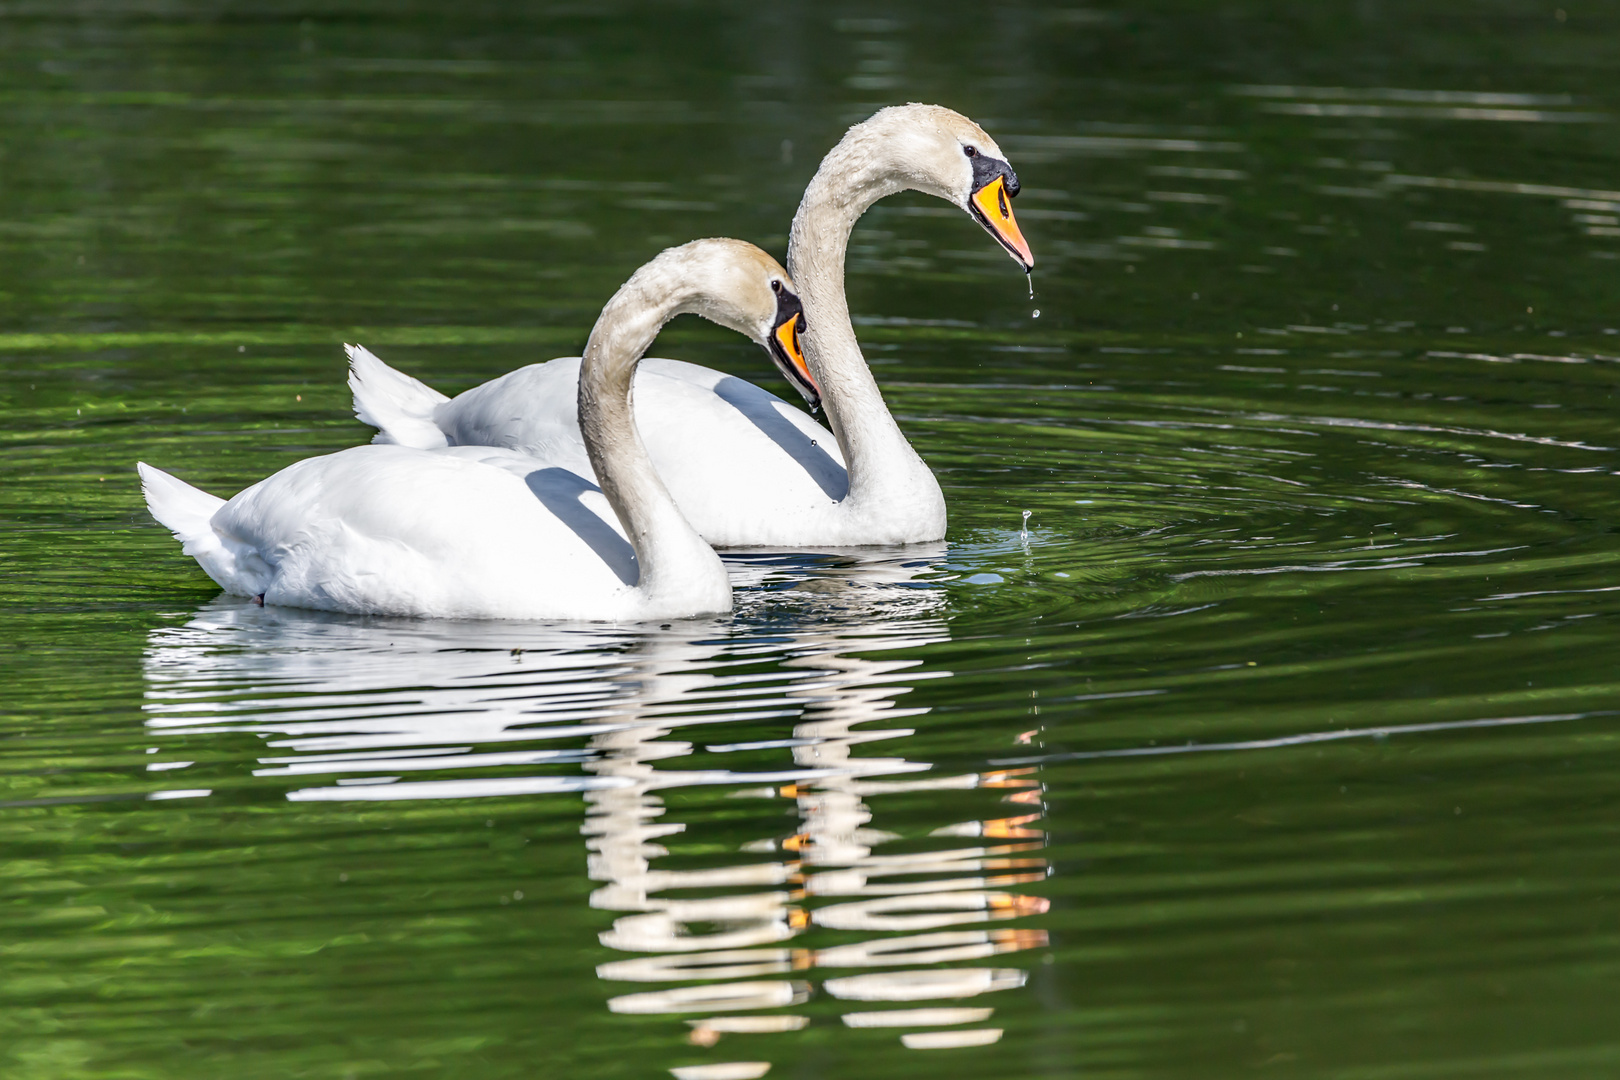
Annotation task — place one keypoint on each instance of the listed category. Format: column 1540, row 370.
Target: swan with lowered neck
column 485, row 532
column 747, row 469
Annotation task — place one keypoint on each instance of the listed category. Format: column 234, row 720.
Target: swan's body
column 778, row 464
column 736, row 458
column 486, row 532
column 469, row 532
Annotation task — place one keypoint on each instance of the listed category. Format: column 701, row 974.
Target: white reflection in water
column 354, row 709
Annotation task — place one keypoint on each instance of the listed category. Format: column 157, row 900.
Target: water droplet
column 1035, row 314
column 1029, row 276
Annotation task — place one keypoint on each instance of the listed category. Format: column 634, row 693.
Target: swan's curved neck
column 678, row 570
column 885, row 473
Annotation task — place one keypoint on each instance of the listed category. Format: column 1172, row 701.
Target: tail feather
column 398, row 406
column 188, row 512
column 184, row 510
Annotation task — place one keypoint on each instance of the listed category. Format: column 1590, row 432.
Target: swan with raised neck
column 483, row 532
column 893, row 496
column 725, row 281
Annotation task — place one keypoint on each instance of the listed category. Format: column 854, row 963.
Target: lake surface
column 1285, row 740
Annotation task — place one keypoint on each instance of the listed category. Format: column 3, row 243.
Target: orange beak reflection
column 993, row 208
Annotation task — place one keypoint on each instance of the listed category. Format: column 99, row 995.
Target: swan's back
column 741, row 462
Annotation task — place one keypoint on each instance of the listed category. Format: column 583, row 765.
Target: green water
column 1310, row 644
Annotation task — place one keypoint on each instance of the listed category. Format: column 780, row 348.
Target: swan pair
column 484, row 506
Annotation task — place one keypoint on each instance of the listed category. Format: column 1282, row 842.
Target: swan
column 746, row 468
column 489, row 532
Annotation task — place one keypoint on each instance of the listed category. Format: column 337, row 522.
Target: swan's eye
column 776, row 286
column 969, row 151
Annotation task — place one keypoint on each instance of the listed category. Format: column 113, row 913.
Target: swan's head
column 931, row 148
column 735, row 284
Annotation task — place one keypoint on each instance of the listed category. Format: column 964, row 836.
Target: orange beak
column 993, row 208
column 789, row 356
column 787, row 336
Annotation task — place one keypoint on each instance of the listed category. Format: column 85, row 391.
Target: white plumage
column 732, row 454
column 464, row 532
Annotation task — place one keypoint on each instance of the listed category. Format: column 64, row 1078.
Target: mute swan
column 482, row 532
column 745, row 467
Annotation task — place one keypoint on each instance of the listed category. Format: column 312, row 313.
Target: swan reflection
column 373, row 710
